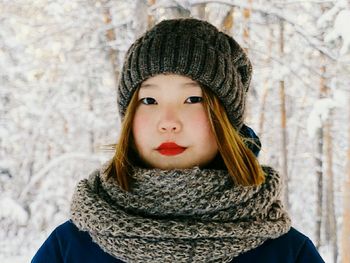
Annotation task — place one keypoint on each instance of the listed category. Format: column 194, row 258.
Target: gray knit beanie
column 193, row 48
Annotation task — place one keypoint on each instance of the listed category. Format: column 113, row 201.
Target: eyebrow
column 187, row 84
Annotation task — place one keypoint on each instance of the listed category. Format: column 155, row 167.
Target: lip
column 170, row 148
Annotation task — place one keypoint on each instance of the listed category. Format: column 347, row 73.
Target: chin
column 172, row 162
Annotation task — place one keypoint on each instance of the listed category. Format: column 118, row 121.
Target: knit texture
column 193, row 48
column 189, row 215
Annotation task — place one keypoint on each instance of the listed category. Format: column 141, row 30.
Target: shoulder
column 68, row 244
column 292, row 247
column 67, row 232
column 293, row 238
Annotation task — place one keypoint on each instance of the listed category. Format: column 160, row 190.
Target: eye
column 148, row 101
column 194, row 99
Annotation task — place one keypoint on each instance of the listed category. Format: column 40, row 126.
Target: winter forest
column 59, row 63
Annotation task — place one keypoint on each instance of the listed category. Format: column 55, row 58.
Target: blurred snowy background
column 59, row 63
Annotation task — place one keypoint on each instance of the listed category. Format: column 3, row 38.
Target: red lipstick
column 170, row 148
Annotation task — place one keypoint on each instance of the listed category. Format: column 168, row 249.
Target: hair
column 237, row 158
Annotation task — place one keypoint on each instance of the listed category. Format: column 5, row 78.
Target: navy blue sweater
column 67, row 244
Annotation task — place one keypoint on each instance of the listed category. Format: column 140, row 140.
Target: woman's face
column 170, row 127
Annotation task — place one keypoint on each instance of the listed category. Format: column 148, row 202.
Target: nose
column 169, row 126
column 169, row 123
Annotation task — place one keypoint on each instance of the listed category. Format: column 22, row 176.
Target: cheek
column 200, row 122
column 140, row 126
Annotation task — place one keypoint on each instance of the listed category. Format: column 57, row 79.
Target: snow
column 319, row 114
column 340, row 98
column 329, row 14
column 341, row 29
column 12, row 210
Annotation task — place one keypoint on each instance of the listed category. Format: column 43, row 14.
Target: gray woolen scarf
column 188, row 215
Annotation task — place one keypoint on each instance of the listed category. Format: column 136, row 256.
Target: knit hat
column 193, row 48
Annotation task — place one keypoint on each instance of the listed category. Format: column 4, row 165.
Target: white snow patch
column 9, row 208
column 341, row 29
column 319, row 115
column 330, row 14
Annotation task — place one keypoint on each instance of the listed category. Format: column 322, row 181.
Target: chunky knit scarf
column 189, row 215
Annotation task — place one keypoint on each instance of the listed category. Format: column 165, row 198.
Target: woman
column 184, row 184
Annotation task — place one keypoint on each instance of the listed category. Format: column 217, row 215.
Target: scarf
column 184, row 215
